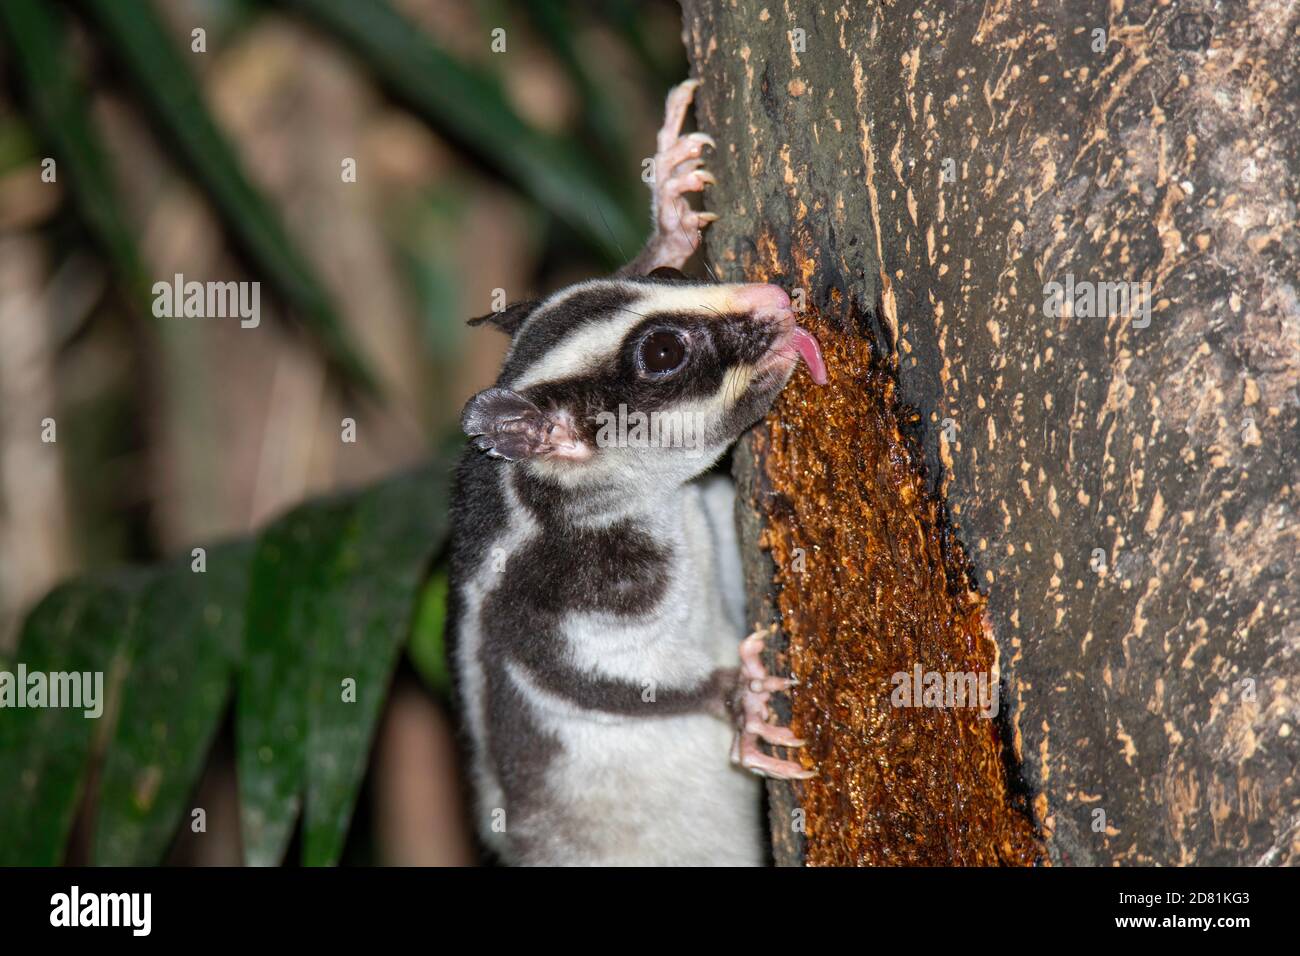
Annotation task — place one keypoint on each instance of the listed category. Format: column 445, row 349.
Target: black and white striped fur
column 597, row 604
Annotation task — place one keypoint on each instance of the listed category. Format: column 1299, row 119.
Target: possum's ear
column 510, row 318
column 506, row 425
column 668, row 274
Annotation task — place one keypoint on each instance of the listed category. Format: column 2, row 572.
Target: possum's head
column 637, row 380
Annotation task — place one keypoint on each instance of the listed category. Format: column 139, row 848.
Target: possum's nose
column 761, row 297
column 770, row 302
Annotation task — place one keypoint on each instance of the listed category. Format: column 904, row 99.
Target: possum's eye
column 662, row 352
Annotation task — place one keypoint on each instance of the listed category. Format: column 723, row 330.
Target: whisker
column 703, row 261
column 709, row 269
column 732, row 393
column 613, row 238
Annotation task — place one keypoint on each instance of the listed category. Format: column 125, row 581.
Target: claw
column 753, row 759
column 751, row 653
column 686, row 167
column 691, row 182
column 678, row 102
column 781, row 736
column 757, row 691
column 677, row 164
column 679, row 152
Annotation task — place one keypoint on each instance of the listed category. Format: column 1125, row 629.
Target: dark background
column 173, row 431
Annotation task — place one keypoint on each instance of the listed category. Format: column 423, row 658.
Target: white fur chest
column 633, row 788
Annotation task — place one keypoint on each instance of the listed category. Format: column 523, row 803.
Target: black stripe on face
column 715, row 345
column 548, row 326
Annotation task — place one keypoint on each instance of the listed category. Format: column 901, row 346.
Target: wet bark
column 1095, row 503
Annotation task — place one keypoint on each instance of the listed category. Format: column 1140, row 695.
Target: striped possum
column 597, row 606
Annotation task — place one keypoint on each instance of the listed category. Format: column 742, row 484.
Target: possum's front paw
column 678, row 170
column 756, row 689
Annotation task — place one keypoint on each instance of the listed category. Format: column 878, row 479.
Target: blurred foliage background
column 496, row 146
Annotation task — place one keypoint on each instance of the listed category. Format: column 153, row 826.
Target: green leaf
column 327, row 594
column 137, row 36
column 332, row 598
column 428, row 646
column 44, row 58
column 186, row 644
column 378, row 567
column 290, row 574
column 17, row 144
column 82, row 628
column 472, row 107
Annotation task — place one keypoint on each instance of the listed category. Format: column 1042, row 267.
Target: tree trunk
column 1087, row 491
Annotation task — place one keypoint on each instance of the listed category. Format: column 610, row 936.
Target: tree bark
column 1095, row 503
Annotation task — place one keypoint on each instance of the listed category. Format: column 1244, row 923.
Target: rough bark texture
column 1125, row 491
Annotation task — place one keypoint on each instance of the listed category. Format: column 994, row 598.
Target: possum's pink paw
column 757, row 686
column 678, row 169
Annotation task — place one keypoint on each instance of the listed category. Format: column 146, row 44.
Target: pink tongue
column 811, row 353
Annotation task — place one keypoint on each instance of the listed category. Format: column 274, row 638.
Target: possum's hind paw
column 678, row 169
column 755, row 691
